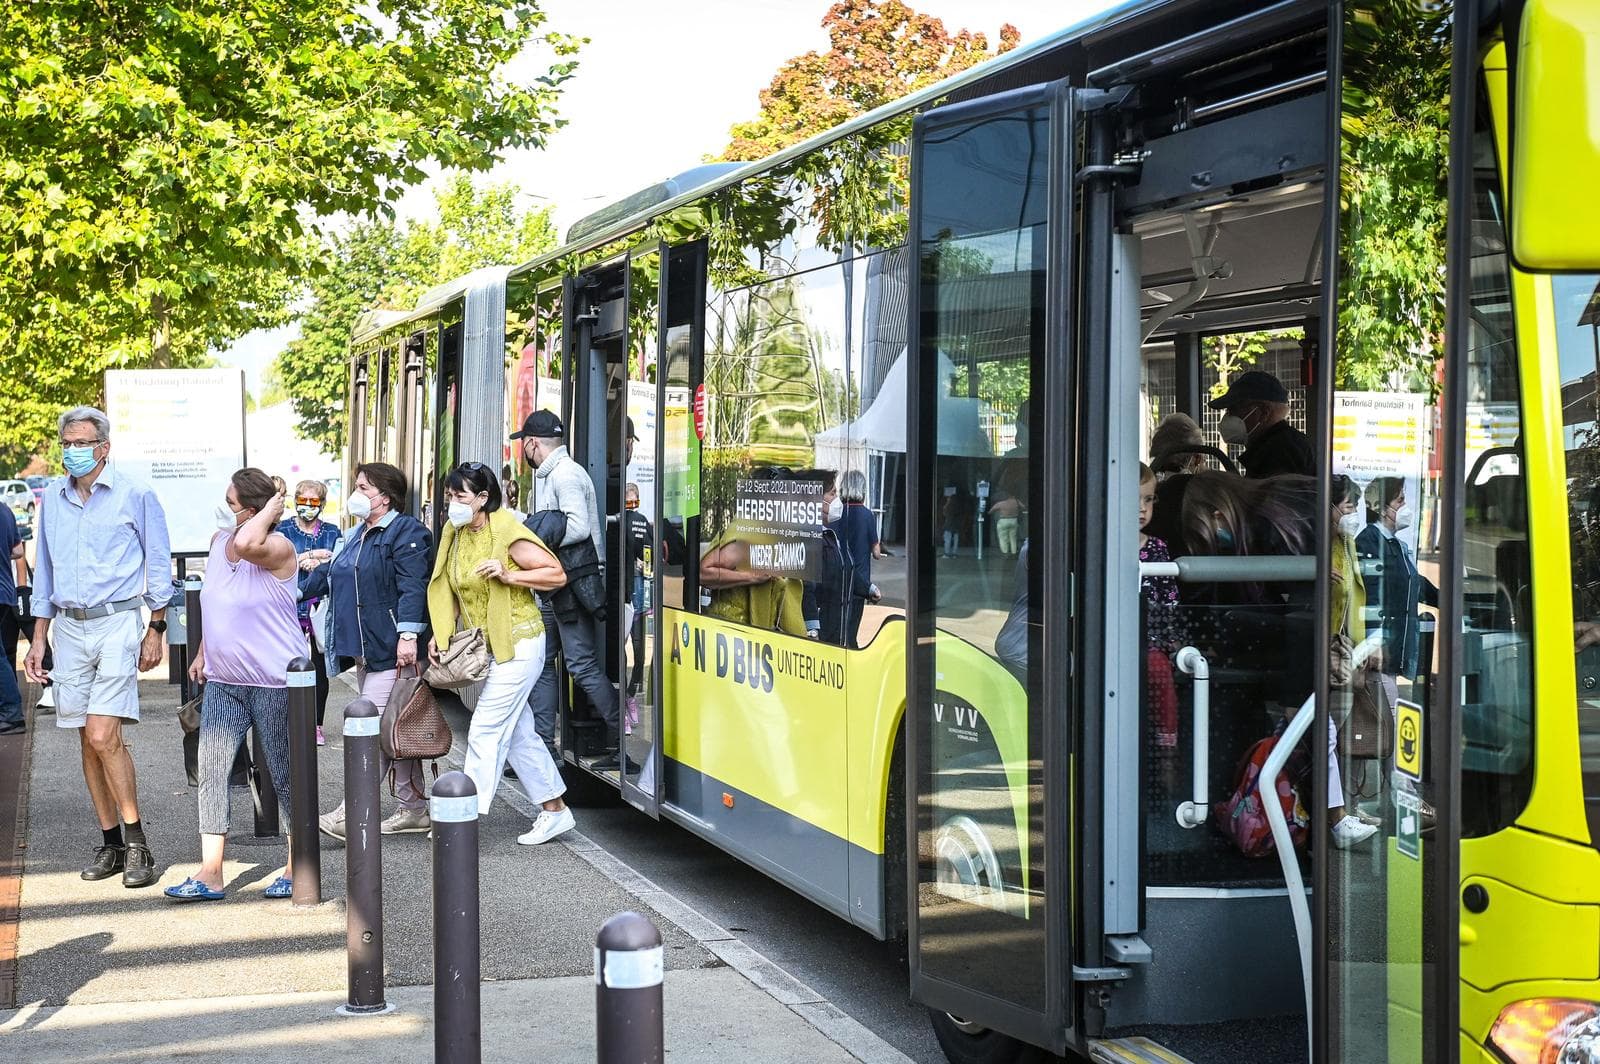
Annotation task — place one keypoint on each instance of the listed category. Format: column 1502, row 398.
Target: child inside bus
column 1161, row 637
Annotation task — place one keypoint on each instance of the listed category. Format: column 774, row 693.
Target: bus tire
column 965, row 1043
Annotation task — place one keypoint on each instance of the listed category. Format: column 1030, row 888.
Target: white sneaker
column 402, row 821
column 548, row 826
column 1351, row 832
column 47, row 697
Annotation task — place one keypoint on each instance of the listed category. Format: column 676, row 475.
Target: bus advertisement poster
column 781, row 521
column 680, row 457
column 182, row 432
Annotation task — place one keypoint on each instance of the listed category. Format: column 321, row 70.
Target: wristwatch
column 158, row 627
column 409, row 637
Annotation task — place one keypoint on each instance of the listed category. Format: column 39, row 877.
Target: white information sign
column 182, row 432
column 1383, row 434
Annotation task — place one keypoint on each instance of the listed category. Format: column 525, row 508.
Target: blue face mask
column 78, row 460
column 1225, row 538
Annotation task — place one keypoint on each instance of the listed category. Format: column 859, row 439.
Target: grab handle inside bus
column 1192, row 814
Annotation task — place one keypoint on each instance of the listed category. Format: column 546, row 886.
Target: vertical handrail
column 1192, row 814
column 1267, row 789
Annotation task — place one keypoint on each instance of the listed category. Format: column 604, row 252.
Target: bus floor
column 1280, row 1040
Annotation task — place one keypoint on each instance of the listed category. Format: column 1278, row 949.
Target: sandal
column 193, row 890
column 282, row 887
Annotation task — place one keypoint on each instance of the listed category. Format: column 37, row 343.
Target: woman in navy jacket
column 377, row 584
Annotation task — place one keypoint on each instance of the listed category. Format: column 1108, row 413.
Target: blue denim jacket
column 392, row 586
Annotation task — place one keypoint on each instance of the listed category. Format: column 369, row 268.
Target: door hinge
column 1107, row 974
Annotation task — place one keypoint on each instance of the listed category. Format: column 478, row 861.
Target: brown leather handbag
column 412, row 725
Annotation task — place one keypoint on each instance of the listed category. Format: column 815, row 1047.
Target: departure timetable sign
column 182, row 432
column 781, row 523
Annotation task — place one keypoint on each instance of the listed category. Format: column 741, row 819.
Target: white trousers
column 503, row 730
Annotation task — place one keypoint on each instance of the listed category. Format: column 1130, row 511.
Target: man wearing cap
column 103, row 553
column 560, row 483
column 1256, row 417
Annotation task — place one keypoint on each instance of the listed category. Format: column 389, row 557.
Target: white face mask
column 835, row 509
column 1234, row 430
column 1351, row 524
column 1402, row 518
column 359, row 506
column 459, row 513
column 227, row 520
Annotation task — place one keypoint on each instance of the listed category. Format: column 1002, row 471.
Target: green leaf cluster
column 171, row 168
column 382, row 265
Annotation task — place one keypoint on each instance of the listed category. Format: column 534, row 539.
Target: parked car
column 36, row 484
column 17, row 495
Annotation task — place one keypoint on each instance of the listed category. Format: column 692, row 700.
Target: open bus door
column 989, row 744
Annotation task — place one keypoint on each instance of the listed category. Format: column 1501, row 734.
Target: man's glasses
column 82, row 443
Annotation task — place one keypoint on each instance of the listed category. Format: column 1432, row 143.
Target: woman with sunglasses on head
column 484, row 576
column 314, row 540
column 377, row 584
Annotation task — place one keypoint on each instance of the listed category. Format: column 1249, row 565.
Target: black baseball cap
column 631, row 434
column 1256, row 386
column 541, row 423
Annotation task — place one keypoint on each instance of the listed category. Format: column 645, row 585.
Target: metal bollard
column 363, row 863
column 457, row 1017
column 304, row 848
column 191, row 625
column 628, row 973
column 264, row 796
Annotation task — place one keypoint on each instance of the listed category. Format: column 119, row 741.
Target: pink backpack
column 1243, row 818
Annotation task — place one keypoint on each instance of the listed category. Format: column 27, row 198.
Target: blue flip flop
column 282, row 887
column 193, row 890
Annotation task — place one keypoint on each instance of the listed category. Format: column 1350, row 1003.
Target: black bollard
column 191, row 635
column 627, row 994
column 304, row 848
column 363, row 862
column 457, row 1019
column 264, row 796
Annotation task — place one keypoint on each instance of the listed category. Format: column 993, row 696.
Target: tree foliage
column 1393, row 168
column 879, row 50
column 168, row 166
column 380, row 265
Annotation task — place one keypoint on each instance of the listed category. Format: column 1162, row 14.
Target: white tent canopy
column 882, row 426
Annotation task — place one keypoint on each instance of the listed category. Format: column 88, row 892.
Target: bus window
column 1497, row 708
column 1577, row 312
column 777, row 395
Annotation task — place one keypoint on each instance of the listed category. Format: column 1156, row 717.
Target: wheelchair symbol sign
column 1408, row 736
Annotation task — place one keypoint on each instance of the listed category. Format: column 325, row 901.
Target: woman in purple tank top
column 252, row 633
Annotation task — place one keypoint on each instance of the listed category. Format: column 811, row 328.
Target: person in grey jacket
column 562, row 484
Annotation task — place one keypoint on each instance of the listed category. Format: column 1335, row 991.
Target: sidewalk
column 106, row 973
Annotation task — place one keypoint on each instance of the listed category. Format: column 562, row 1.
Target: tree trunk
column 161, row 334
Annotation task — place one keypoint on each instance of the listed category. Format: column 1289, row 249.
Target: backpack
column 1243, row 817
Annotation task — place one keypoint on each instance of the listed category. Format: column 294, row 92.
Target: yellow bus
column 969, row 705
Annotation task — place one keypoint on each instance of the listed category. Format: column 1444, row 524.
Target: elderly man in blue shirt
column 102, row 553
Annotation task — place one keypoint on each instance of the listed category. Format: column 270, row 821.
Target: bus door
column 614, row 435
column 989, row 771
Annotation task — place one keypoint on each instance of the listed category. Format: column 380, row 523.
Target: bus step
column 1136, row 1050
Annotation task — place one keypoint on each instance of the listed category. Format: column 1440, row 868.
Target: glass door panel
column 984, row 894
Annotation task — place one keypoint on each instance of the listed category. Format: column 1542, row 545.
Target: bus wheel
column 968, row 1043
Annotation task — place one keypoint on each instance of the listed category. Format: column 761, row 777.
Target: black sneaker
column 108, row 861
column 141, row 867
column 13, row 727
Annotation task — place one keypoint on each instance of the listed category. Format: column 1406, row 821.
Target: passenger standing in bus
column 1393, row 580
column 101, row 641
column 377, row 586
column 562, row 484
column 1160, row 625
column 313, row 541
column 486, row 572
column 1347, row 599
column 1256, row 417
column 251, row 636
column 857, row 530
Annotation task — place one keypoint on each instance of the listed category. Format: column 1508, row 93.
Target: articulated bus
column 971, row 308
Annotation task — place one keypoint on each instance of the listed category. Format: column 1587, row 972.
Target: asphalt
column 180, row 977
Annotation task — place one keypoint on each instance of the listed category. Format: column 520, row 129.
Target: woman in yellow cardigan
column 484, row 576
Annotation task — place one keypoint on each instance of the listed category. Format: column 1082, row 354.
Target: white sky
column 657, row 88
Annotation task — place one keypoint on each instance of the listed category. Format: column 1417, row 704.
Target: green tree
column 379, row 265
column 170, row 166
